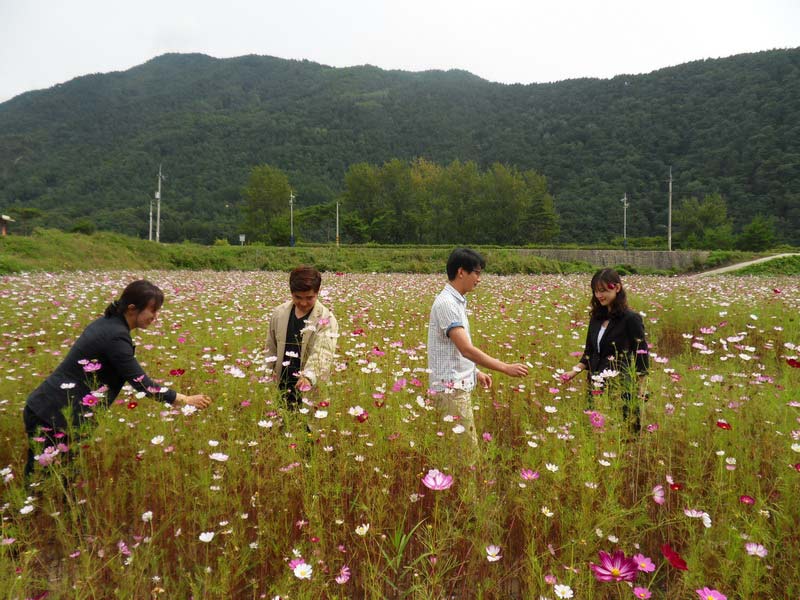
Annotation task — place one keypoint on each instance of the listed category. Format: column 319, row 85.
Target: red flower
column 676, row 486
column 723, row 425
column 674, row 558
column 177, row 372
column 745, row 499
column 797, row 467
column 132, row 404
column 363, row 416
column 793, row 362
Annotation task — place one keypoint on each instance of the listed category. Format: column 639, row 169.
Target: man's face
column 471, row 279
column 304, row 301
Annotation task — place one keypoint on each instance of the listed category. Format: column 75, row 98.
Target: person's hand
column 568, row 376
column 198, row 400
column 303, row 384
column 484, row 379
column 516, row 370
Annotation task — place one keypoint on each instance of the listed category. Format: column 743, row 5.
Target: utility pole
column 150, row 234
column 625, row 206
column 291, row 217
column 158, row 206
column 669, row 214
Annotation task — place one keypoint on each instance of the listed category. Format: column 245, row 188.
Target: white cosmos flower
column 459, row 429
column 303, row 571
column 158, row 440
column 27, row 509
column 265, row 424
column 321, row 414
column 206, row 536
column 362, row 529
column 147, row 516
column 218, row 456
column 563, row 591
column 550, row 409
column 551, row 467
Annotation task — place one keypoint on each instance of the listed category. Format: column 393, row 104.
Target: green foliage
column 757, row 235
column 421, row 202
column 266, row 198
column 787, row 265
column 91, row 147
column 704, row 224
column 84, row 226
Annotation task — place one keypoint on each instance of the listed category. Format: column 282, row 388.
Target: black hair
column 464, row 258
column 605, row 278
column 141, row 293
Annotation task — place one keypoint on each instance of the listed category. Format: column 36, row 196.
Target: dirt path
column 741, row 265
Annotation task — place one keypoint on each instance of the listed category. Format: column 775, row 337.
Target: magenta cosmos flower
column 615, row 567
column 437, row 481
column 709, row 594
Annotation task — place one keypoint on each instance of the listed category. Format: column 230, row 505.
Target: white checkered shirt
column 448, row 368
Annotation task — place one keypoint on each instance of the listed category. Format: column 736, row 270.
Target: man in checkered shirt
column 452, row 358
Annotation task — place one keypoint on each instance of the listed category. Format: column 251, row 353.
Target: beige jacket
column 319, row 341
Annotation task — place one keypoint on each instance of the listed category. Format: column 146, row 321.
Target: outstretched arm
column 459, row 337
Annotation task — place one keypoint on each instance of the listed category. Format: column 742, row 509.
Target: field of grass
column 237, row 501
column 55, row 251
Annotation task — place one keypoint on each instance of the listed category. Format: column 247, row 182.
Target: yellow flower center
column 615, row 572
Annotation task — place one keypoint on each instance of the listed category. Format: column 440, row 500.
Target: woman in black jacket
column 616, row 354
column 93, row 373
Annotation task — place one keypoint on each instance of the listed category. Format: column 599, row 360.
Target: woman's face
column 606, row 293
column 142, row 319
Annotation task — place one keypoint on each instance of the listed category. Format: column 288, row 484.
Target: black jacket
column 106, row 340
column 623, row 344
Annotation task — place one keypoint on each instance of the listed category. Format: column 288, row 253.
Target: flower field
column 383, row 500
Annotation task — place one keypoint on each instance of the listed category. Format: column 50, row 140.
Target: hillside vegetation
column 87, row 152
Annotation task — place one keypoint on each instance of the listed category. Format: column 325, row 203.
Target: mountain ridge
column 90, row 147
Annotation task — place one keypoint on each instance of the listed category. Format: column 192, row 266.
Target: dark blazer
column 623, row 344
column 106, row 340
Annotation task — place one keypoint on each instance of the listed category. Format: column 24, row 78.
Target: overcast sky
column 44, row 42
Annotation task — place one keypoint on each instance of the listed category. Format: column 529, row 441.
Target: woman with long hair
column 615, row 356
column 97, row 366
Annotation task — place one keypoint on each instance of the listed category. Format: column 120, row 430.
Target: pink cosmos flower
column 641, row 592
column 644, row 563
column 529, row 474
column 399, row 384
column 89, row 400
column 754, row 549
column 658, row 494
column 615, row 567
column 487, row 437
column 91, row 367
column 745, row 499
column 596, row 419
column 437, row 481
column 343, row 576
column 709, row 594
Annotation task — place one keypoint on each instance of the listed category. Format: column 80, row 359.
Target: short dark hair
column 141, row 293
column 305, row 279
column 464, row 258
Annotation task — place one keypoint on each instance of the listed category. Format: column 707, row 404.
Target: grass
column 721, row 350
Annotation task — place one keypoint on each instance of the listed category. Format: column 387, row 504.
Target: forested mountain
column 91, row 147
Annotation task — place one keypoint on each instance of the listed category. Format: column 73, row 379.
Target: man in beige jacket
column 302, row 336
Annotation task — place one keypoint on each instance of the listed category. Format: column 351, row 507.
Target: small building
column 4, row 221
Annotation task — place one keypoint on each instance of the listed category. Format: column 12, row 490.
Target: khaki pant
column 458, row 402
